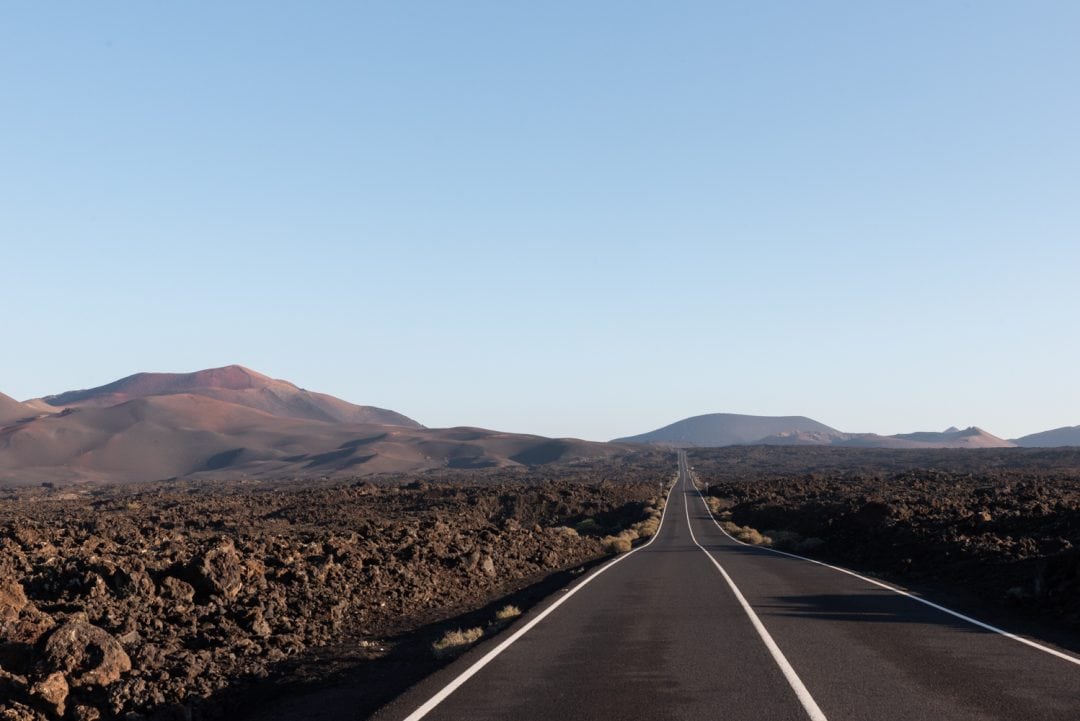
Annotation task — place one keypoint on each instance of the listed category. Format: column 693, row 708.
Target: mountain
column 1066, row 436
column 729, row 429
column 234, row 423
column 12, row 411
column 232, row 384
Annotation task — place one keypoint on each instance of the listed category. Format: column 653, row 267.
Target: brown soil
column 178, row 600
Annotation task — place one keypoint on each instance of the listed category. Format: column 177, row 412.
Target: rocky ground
column 1000, row 529
column 169, row 600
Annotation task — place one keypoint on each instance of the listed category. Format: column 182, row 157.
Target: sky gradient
column 585, row 219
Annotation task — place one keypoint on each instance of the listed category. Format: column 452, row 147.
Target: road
column 695, row 625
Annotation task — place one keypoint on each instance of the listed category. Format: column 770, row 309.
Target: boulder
column 218, row 571
column 87, row 655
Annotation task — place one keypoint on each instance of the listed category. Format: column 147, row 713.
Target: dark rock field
column 170, row 600
column 999, row 530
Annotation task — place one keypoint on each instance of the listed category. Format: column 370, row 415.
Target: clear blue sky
column 566, row 218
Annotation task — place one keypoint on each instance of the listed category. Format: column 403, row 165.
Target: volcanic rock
column 12, row 600
column 218, row 571
column 52, row 691
column 87, row 654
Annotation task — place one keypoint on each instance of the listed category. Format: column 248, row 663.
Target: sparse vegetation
column 716, row 505
column 456, row 641
column 617, row 544
column 507, row 613
column 646, row 528
column 746, row 534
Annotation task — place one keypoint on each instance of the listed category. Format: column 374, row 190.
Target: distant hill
column 232, row 384
column 972, row 437
column 11, row 410
column 1066, row 436
column 729, row 429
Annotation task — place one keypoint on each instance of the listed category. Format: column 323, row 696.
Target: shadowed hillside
column 1067, row 436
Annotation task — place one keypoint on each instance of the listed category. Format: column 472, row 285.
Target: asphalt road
column 696, row 625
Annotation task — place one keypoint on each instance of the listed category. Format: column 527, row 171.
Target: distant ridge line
column 714, row 430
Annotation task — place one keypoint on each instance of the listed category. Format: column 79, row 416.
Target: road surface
column 695, row 625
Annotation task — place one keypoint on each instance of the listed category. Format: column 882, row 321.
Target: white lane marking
column 487, row 658
column 807, row 701
column 902, row 592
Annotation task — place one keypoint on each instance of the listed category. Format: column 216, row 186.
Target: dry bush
column 646, row 528
column 746, row 534
column 565, row 531
column 456, row 641
column 616, row 544
column 507, row 612
column 718, row 505
column 793, row 542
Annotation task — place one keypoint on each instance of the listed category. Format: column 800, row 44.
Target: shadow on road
column 872, row 607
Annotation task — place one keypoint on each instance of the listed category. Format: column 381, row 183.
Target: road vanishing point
column 696, row 625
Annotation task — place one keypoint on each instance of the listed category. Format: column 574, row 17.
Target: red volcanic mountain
column 232, row 384
column 233, row 422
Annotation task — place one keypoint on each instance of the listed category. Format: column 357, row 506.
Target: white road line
column 908, row 594
column 807, row 701
column 487, row 658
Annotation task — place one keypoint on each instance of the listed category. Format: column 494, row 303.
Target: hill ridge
column 730, row 429
column 232, row 384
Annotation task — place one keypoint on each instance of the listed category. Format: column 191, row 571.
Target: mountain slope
column 232, row 384
column 11, row 410
column 728, row 429
column 1066, row 436
column 183, row 434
